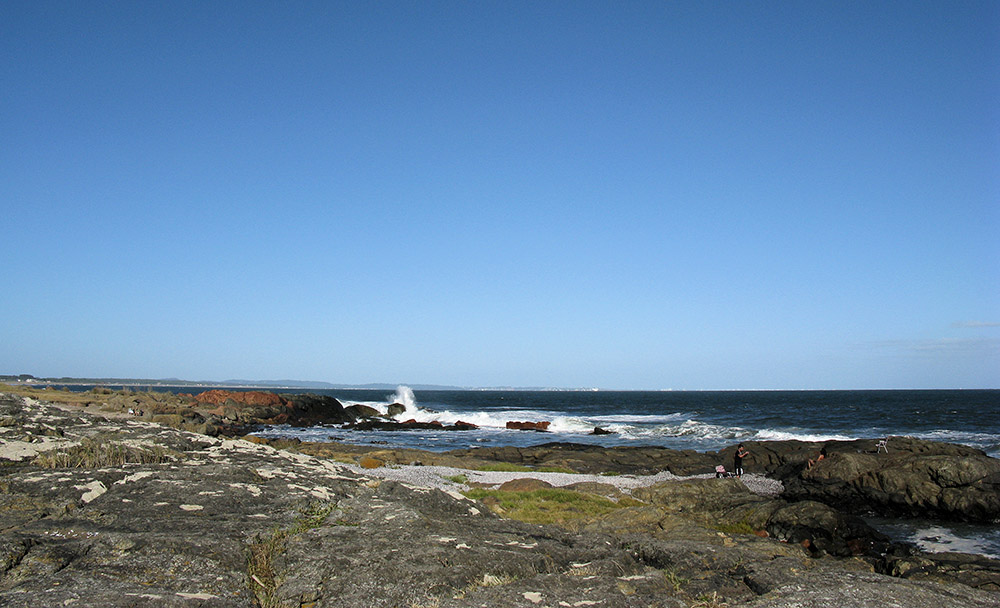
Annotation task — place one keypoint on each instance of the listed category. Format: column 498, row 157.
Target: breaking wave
column 623, row 426
column 797, row 435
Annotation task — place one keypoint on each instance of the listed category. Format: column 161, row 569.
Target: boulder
column 408, row 425
column 528, row 426
column 524, row 485
column 358, row 411
column 729, row 505
column 218, row 397
column 309, row 410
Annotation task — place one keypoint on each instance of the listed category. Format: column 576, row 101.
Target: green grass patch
column 675, row 580
column 312, row 516
column 505, row 467
column 741, row 527
column 462, row 479
column 554, row 470
column 545, row 506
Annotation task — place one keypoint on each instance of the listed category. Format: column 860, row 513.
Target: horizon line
column 324, row 385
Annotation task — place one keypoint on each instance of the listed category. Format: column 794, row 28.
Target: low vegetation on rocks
column 94, row 453
column 566, row 508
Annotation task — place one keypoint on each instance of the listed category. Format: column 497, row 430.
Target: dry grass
column 260, row 566
column 488, row 580
column 262, row 577
column 99, row 453
column 50, row 394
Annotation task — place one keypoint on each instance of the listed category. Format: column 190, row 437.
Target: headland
column 173, row 504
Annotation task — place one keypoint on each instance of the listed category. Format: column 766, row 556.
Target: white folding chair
column 881, row 445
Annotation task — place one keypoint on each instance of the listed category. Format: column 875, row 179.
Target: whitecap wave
column 797, row 435
column 692, row 429
column 570, row 424
column 964, row 437
column 640, row 418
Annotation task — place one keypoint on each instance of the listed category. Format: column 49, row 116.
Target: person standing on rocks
column 741, row 453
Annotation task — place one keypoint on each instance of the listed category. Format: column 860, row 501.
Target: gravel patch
column 438, row 477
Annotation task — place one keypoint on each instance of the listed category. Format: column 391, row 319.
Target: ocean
column 698, row 420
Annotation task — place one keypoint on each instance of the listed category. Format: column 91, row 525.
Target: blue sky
column 703, row 195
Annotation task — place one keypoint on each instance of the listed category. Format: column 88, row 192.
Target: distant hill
column 330, row 385
column 153, row 382
column 263, row 384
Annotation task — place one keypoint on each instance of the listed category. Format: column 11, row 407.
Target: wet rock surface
column 127, row 512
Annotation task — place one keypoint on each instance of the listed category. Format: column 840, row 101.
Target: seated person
column 814, row 462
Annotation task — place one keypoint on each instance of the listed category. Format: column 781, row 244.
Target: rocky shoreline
column 100, row 507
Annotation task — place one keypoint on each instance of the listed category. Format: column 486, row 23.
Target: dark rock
column 395, row 409
column 408, row 425
column 822, row 529
column 599, row 431
column 358, row 411
column 310, row 409
column 584, row 458
column 727, row 503
column 917, row 478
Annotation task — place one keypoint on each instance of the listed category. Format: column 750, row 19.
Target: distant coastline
column 28, row 379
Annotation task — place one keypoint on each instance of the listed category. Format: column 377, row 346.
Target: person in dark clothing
column 741, row 453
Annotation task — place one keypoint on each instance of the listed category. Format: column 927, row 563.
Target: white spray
column 404, row 396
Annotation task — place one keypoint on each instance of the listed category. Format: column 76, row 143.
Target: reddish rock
column 529, row 426
column 466, row 425
column 279, row 419
column 218, row 397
